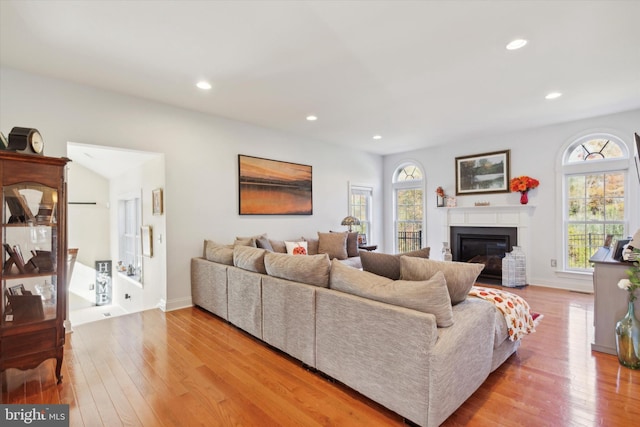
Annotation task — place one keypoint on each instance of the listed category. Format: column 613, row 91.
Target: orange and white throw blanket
column 516, row 311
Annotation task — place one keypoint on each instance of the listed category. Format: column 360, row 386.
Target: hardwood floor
column 189, row 368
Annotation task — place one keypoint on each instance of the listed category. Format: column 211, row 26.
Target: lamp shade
column 350, row 221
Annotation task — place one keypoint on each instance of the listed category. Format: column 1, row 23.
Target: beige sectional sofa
column 377, row 335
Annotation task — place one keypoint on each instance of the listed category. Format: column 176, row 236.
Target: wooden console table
column 368, row 247
column 610, row 302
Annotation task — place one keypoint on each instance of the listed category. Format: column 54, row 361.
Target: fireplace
column 485, row 245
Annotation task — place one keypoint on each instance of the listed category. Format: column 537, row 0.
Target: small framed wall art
column 146, row 232
column 157, row 201
column 483, row 173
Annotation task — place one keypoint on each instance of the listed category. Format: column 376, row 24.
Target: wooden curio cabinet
column 34, row 247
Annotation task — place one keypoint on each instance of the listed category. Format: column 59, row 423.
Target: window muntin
column 408, row 173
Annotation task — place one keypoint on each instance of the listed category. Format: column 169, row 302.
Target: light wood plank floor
column 189, row 368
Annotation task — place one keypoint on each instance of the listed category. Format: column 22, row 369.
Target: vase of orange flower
column 523, row 184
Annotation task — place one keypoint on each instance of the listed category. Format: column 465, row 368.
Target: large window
column 594, row 193
column 408, row 189
column 360, row 205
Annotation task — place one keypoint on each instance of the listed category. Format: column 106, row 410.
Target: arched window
column 595, row 172
column 408, row 190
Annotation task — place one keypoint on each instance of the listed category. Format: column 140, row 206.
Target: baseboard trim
column 175, row 304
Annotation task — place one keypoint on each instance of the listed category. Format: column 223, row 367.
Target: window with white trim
column 408, row 190
column 595, row 173
column 360, row 205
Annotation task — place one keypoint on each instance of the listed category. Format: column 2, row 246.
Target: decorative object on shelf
column 483, row 173
column 482, row 204
column 272, row 187
column 26, row 140
column 441, row 197
column 451, row 202
column 157, row 201
column 350, row 221
column 446, row 252
column 47, row 292
column 631, row 251
column 103, row 282
column 628, row 328
column 523, row 184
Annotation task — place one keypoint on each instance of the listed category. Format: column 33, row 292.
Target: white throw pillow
column 296, row 248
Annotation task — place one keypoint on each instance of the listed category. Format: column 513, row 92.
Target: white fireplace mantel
column 518, row 216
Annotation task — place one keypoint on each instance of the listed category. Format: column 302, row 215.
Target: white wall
column 536, row 153
column 200, row 163
column 88, row 224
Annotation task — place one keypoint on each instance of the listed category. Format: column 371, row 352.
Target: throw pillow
column 311, row 269
column 248, row 241
column 352, row 243
column 296, row 248
column 460, row 276
column 278, row 246
column 333, row 244
column 216, row 252
column 312, row 245
column 248, row 258
column 388, row 265
column 264, row 243
column 428, row 296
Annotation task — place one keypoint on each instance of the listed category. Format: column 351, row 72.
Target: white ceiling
column 106, row 161
column 419, row 73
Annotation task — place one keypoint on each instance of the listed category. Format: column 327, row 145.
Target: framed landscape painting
column 483, row 173
column 273, row 187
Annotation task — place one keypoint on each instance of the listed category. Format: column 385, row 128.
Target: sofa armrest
column 462, row 358
column 378, row 349
column 209, row 286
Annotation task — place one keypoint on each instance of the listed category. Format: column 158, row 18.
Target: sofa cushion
column 311, row 269
column 217, row 252
column 245, row 241
column 248, row 258
column 388, row 265
column 312, row 245
column 429, row 296
column 264, row 243
column 296, row 248
column 333, row 244
column 352, row 243
column 460, row 276
column 278, row 246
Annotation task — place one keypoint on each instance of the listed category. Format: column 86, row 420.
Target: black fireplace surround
column 485, row 245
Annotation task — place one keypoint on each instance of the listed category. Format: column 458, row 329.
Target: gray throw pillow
column 248, row 258
column 428, row 296
column 312, row 245
column 310, row 269
column 388, row 265
column 333, row 244
column 264, row 243
column 352, row 243
column 217, row 252
column 460, row 276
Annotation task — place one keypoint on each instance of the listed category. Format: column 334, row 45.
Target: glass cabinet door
column 29, row 248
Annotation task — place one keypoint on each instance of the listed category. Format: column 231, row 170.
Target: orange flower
column 523, row 183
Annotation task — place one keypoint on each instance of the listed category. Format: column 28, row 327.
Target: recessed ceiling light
column 377, row 137
column 312, row 118
column 516, row 44
column 553, row 95
column 203, row 85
